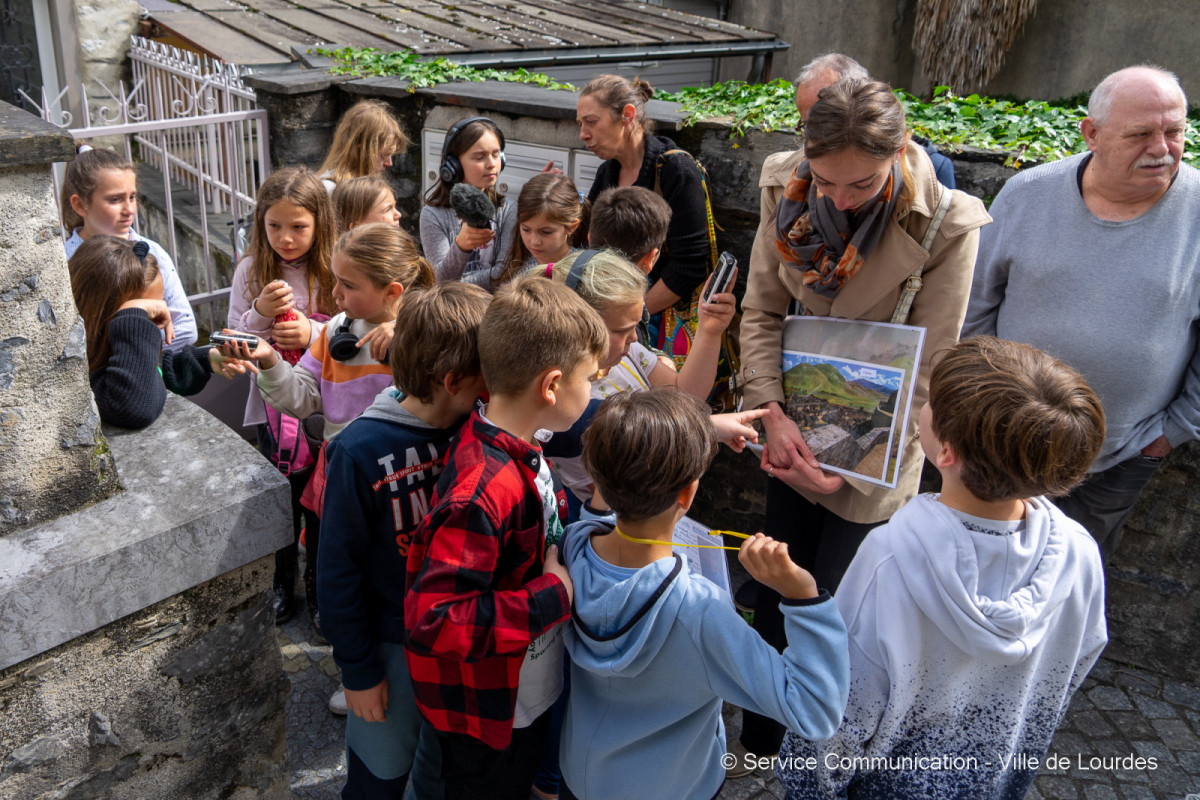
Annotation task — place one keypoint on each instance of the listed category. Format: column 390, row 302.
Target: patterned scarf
column 829, row 246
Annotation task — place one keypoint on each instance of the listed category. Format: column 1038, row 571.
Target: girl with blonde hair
column 366, row 139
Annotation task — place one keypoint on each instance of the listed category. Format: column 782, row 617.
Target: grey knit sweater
column 1118, row 301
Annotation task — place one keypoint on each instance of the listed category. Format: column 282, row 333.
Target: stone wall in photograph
column 183, row 699
column 138, row 656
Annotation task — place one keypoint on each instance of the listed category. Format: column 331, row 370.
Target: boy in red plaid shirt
column 486, row 591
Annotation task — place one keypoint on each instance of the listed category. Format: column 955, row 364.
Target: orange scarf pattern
column 829, row 245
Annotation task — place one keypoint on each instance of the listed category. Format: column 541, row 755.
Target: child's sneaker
column 337, row 702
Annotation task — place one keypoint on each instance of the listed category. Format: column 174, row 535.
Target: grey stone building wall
column 138, row 656
column 102, row 30
column 1066, row 46
column 55, row 459
column 183, row 699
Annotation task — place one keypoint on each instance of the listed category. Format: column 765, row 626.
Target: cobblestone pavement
column 316, row 738
column 1120, row 715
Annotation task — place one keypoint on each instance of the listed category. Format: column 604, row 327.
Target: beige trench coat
column 872, row 294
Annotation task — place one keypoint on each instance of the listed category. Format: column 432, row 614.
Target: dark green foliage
column 421, row 72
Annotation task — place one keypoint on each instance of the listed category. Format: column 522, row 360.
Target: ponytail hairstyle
column 615, row 92
column 365, row 133
column 299, row 186
column 608, row 279
column 106, row 272
column 353, row 199
column 556, row 197
column 385, row 254
column 82, row 177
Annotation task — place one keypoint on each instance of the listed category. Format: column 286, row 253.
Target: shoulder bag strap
column 914, row 282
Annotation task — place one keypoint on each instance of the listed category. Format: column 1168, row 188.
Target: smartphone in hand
column 722, row 279
column 217, row 339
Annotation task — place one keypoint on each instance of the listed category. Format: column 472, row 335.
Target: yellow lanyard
column 624, row 535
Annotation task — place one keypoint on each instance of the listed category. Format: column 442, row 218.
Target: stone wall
column 183, row 699
column 55, row 459
column 138, row 656
column 137, row 642
column 103, row 28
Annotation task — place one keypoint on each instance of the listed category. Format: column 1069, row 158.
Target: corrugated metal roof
column 262, row 32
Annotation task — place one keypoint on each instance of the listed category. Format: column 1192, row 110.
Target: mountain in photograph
column 826, row 382
column 874, row 387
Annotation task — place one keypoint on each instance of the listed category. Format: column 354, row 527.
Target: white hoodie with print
column 965, row 648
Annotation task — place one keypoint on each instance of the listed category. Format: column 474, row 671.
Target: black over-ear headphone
column 577, row 266
column 451, row 170
column 343, row 345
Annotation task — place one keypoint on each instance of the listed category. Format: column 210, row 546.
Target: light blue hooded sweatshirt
column 655, row 650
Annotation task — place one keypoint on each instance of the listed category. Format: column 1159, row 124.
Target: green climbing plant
column 422, row 72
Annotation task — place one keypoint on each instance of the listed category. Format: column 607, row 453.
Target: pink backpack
column 288, row 447
column 291, row 447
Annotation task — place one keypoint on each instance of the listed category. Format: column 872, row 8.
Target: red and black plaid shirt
column 476, row 596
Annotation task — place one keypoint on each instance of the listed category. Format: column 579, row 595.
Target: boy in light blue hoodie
column 655, row 649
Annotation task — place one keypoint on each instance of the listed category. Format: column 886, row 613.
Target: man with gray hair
column 824, row 71
column 1096, row 260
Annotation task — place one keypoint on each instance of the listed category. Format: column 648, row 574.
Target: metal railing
column 196, row 121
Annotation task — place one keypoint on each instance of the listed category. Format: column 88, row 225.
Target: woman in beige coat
column 841, row 232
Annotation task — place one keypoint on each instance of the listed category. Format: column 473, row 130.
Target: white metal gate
column 194, row 119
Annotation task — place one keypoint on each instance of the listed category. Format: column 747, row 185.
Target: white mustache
column 1164, row 161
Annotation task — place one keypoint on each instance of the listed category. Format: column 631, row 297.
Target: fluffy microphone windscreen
column 472, row 205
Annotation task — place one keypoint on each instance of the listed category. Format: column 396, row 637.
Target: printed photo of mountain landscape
column 848, row 385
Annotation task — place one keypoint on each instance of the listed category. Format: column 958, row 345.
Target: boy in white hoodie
column 974, row 614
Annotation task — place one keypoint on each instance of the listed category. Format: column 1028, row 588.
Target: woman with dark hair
column 842, row 228
column 612, row 123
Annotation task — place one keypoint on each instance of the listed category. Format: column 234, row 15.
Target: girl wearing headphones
column 339, row 376
column 473, row 153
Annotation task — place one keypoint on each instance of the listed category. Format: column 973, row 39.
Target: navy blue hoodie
column 381, row 473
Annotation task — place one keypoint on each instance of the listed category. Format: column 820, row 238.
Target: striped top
column 341, row 390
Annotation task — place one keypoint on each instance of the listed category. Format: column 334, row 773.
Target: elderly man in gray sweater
column 1096, row 259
